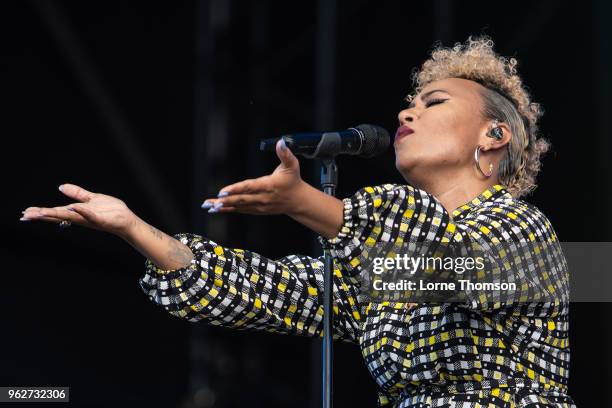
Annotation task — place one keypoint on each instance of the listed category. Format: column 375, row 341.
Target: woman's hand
column 93, row 210
column 283, row 192
column 277, row 193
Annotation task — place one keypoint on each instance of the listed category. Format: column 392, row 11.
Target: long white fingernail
column 222, row 194
column 60, row 188
column 206, row 204
column 215, row 208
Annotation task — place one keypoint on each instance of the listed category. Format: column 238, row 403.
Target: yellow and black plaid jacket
column 467, row 354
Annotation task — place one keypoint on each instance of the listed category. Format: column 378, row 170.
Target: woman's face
column 446, row 123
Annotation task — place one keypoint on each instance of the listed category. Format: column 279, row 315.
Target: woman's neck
column 453, row 193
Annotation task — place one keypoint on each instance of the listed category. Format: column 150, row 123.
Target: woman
column 468, row 149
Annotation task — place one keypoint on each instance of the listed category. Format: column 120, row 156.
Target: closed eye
column 434, row 102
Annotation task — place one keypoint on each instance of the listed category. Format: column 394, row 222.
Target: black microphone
column 363, row 140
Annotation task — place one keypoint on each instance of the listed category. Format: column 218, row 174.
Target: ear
column 490, row 143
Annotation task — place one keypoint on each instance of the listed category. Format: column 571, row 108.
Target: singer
column 468, row 147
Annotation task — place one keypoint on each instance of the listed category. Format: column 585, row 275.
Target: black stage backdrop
column 162, row 103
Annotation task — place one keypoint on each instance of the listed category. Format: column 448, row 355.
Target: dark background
column 162, row 103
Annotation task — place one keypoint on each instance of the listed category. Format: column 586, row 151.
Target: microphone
column 363, row 140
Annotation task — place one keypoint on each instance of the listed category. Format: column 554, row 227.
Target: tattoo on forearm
column 156, row 232
column 178, row 252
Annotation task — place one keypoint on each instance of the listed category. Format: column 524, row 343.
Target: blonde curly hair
column 504, row 98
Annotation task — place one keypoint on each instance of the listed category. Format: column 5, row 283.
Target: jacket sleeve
column 516, row 241
column 241, row 289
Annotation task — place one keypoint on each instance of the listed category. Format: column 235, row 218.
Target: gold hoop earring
column 477, row 160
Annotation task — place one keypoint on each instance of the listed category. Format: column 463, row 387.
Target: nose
column 405, row 116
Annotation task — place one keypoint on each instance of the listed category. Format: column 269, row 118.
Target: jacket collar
column 490, row 194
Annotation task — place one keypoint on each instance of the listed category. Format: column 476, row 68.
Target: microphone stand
column 329, row 181
column 330, row 144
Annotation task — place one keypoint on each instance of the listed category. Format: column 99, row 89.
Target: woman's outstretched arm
column 197, row 279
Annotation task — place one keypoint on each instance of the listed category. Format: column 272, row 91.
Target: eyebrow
column 426, row 94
